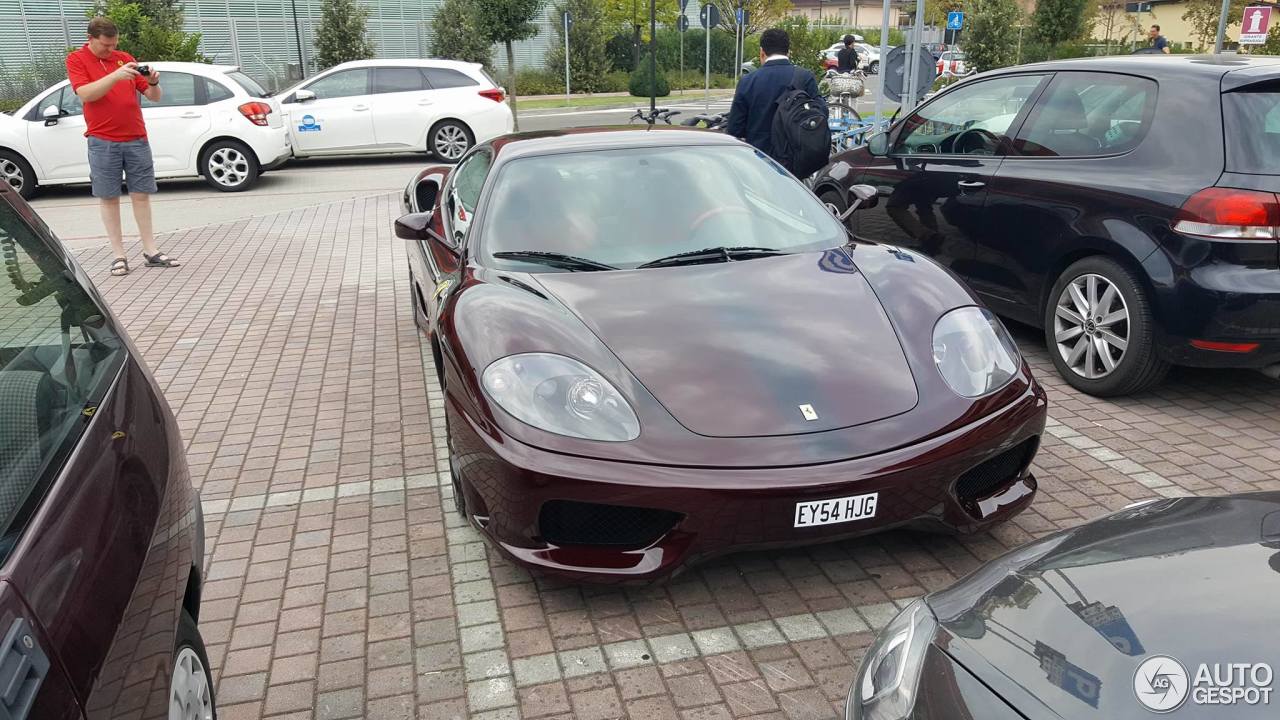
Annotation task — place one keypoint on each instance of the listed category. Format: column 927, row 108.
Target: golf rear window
column 1251, row 118
column 248, row 84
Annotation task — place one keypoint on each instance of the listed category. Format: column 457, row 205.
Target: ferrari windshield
column 625, row 208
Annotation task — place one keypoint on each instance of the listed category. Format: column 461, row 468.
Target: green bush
column 540, row 82
column 697, row 82
column 8, row 106
column 640, row 84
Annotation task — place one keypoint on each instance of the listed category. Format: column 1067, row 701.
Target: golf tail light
column 256, row 112
column 1230, row 214
column 886, row 684
column 494, row 94
column 560, row 395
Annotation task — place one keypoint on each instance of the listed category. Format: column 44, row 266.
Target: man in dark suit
column 755, row 102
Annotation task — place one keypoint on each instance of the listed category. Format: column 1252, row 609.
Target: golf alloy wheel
column 1091, row 326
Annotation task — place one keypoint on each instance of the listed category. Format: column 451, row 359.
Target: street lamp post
column 297, row 34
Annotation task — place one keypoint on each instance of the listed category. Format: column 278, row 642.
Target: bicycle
column 842, row 92
column 707, row 122
column 663, row 114
column 847, row 134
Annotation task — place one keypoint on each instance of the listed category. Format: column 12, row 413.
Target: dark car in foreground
column 656, row 346
column 1165, row 607
column 1126, row 205
column 101, row 535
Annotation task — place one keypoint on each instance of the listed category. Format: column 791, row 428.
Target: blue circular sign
column 308, row 121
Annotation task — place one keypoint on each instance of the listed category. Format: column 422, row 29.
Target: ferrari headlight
column 885, row 687
column 560, row 395
column 974, row 352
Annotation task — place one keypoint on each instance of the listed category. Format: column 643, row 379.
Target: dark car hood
column 1197, row 579
column 734, row 349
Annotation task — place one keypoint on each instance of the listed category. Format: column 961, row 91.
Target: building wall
column 863, row 14
column 1168, row 15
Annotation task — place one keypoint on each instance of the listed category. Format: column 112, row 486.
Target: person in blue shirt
column 755, row 102
column 1158, row 41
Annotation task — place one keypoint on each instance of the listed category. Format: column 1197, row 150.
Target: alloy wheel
column 228, row 166
column 451, row 142
column 190, row 697
column 1091, row 326
column 11, row 174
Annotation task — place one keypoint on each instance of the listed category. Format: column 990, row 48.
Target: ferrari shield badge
column 808, row 412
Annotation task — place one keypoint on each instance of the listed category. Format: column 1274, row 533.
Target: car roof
column 411, row 62
column 1258, row 67
column 193, row 67
column 588, row 139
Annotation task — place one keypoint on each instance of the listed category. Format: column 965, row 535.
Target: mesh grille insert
column 985, row 479
column 568, row 522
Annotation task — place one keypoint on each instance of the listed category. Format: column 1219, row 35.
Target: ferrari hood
column 771, row 346
column 1081, row 627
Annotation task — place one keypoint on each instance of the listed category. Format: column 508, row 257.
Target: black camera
column 144, row 70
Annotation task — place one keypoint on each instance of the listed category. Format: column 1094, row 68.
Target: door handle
column 426, row 102
column 971, row 184
column 360, row 108
column 191, row 116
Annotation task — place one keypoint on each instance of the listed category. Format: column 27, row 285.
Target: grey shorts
column 114, row 163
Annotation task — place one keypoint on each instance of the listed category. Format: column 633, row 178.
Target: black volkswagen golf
column 1126, row 205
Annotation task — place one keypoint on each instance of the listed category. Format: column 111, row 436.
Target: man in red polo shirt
column 108, row 83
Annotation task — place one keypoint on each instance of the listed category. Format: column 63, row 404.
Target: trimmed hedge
column 639, row 84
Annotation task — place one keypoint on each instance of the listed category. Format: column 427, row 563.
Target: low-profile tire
column 1111, row 351
column 449, row 140
column 459, row 497
column 229, row 166
column 17, row 173
column 190, row 681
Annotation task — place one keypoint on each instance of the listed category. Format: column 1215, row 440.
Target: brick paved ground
column 338, row 586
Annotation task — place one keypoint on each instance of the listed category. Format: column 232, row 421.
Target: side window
column 972, row 119
column 443, row 78
column 347, row 83
column 65, row 99
column 1084, row 114
column 58, row 357
column 176, row 89
column 469, row 180
column 216, row 91
column 398, row 79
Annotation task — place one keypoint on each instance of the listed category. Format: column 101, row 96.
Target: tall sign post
column 709, row 16
column 566, row 21
column 884, row 53
column 682, row 26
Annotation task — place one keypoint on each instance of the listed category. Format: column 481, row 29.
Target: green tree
column 634, row 16
column 1202, row 15
column 150, row 38
column 1059, row 21
column 761, row 14
column 1272, row 46
column 341, row 35
column 807, row 41
column 588, row 35
column 508, row 22
column 991, row 38
column 457, row 33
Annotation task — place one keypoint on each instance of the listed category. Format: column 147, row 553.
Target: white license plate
column 836, row 510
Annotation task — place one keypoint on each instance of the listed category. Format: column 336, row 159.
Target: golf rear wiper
column 724, row 254
column 553, row 259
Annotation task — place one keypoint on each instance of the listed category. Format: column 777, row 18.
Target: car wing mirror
column 417, row 226
column 859, row 196
column 51, row 115
column 304, row 96
column 878, row 144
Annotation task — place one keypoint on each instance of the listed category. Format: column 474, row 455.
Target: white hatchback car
column 378, row 106
column 212, row 121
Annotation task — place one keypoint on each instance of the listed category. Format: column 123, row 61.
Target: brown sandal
column 160, row 260
column 120, row 267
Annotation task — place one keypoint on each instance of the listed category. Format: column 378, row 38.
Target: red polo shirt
column 116, row 116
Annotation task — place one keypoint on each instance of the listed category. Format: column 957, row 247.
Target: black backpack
column 800, row 136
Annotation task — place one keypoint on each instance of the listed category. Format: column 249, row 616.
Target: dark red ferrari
column 657, row 346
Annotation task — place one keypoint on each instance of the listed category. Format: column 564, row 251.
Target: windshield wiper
column 723, row 254
column 553, row 259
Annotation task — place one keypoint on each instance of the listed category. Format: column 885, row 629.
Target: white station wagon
column 378, row 106
column 212, row 121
